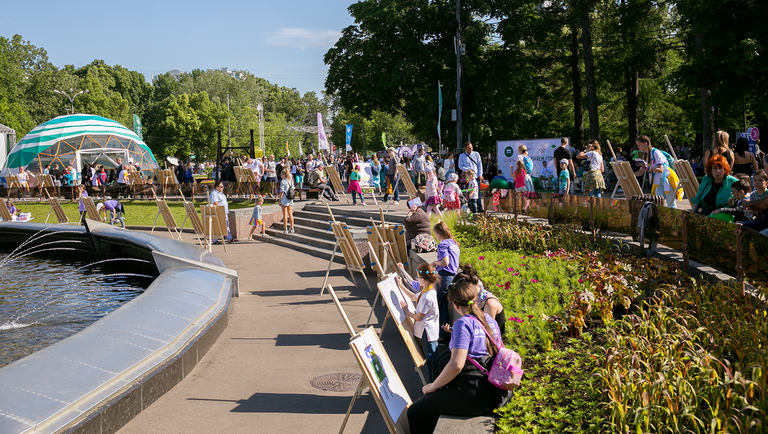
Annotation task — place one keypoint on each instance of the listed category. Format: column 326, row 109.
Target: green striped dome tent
column 78, row 139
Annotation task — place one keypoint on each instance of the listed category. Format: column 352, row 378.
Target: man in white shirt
column 546, row 175
column 419, row 163
column 270, row 173
column 218, row 197
column 258, row 171
column 471, row 160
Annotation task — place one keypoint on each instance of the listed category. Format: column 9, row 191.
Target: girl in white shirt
column 432, row 193
column 594, row 184
column 426, row 317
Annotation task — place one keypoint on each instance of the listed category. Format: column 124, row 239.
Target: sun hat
column 453, row 177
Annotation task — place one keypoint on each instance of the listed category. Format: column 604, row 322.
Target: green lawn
column 137, row 212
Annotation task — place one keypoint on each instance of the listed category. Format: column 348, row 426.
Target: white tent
column 7, row 141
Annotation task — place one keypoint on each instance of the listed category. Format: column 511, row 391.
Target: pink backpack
column 505, row 372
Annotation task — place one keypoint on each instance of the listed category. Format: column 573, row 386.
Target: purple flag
column 322, row 140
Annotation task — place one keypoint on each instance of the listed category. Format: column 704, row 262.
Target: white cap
column 99, row 206
column 564, row 161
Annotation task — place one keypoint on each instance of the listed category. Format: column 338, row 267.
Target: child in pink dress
column 354, row 185
column 432, row 193
column 451, row 193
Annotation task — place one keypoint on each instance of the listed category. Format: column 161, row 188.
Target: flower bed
column 655, row 350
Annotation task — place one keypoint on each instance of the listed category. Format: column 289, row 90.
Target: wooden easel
column 170, row 221
column 57, row 210
column 351, row 255
column 167, row 179
column 90, row 209
column 214, row 224
column 44, row 182
column 625, row 176
column 338, row 187
column 410, row 188
column 13, row 182
column 688, row 181
column 197, row 225
column 135, row 181
column 245, row 178
column 5, row 215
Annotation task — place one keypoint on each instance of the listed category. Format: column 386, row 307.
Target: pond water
column 45, row 298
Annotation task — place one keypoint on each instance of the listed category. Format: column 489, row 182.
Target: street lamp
column 71, row 98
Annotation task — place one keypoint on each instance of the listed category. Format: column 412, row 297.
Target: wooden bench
column 307, row 192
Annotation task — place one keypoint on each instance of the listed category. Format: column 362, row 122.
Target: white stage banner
column 538, row 149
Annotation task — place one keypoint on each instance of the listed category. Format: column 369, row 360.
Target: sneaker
column 292, row 231
column 395, row 202
column 285, row 231
column 364, row 204
column 264, row 235
column 250, row 238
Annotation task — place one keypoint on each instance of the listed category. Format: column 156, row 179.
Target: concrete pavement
column 281, row 335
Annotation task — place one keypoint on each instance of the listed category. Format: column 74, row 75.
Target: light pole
column 459, row 47
column 71, row 98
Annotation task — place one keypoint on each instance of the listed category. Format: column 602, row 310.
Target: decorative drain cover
column 336, row 382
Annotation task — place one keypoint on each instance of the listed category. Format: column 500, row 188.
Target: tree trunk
column 578, row 104
column 589, row 70
column 707, row 118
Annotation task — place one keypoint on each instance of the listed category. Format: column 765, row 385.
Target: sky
column 282, row 41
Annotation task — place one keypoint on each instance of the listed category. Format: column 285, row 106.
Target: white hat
column 99, row 206
column 564, row 161
column 429, row 168
column 453, row 177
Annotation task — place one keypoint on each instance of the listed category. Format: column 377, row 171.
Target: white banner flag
column 322, row 140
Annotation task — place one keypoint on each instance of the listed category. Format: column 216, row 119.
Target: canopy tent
column 73, row 140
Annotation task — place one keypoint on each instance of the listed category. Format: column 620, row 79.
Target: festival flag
column 439, row 106
column 286, row 148
column 384, row 139
column 349, row 137
column 322, row 140
column 301, row 151
column 137, row 126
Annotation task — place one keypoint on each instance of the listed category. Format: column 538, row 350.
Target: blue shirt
column 451, row 249
column 217, row 196
column 564, row 177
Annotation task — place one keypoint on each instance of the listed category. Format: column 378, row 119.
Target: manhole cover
column 336, row 382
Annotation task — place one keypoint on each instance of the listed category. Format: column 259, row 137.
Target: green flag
column 137, row 126
column 384, row 139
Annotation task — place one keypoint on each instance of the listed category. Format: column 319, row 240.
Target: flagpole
column 364, row 151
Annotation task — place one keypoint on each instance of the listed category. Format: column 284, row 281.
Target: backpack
column 291, row 193
column 670, row 159
column 423, row 243
column 505, row 372
column 528, row 163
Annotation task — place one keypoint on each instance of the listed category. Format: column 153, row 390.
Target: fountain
column 130, row 355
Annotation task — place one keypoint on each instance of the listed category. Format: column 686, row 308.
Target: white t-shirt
column 121, row 177
column 431, row 322
column 256, row 167
column 448, row 164
column 595, row 160
column 270, row 169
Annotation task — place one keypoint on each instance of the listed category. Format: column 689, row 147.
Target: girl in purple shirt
column 461, row 389
column 447, row 265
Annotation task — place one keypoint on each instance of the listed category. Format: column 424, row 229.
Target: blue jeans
column 119, row 216
column 475, row 205
column 430, row 351
column 757, row 224
column 354, row 197
column 446, row 279
column 597, row 193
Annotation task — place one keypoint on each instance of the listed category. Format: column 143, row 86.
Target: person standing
column 563, row 153
column 419, row 164
column 664, row 177
column 286, row 203
column 594, row 184
column 392, row 176
column 218, row 198
column 258, row 170
column 471, row 160
column 720, row 146
column 270, row 173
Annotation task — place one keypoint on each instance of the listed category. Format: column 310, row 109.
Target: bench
column 315, row 192
column 465, row 425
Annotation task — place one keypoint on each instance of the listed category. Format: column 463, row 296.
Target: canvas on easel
column 170, row 221
column 13, row 182
column 245, row 178
column 214, row 224
column 90, row 209
column 352, row 258
column 381, row 377
column 197, row 225
column 167, row 179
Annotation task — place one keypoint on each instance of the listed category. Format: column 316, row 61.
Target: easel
column 215, row 225
column 13, row 182
column 197, row 225
column 333, row 176
column 383, row 269
column 625, row 176
column 170, row 221
column 348, row 249
column 688, row 181
column 135, row 181
column 167, row 179
column 245, row 178
column 410, row 188
column 57, row 210
column 44, row 182
column 5, row 215
column 90, row 209
column 365, row 379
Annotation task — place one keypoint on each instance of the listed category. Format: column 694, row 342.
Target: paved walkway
column 281, row 335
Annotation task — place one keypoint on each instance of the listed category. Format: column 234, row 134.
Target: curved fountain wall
column 101, row 377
